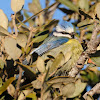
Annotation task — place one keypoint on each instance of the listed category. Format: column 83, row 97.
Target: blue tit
column 60, row 41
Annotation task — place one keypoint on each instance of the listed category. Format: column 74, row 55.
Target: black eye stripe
column 63, row 32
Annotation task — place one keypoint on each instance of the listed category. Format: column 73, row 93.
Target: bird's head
column 65, row 29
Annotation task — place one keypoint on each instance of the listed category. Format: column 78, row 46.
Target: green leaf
column 6, row 84
column 58, row 62
column 16, row 5
column 69, row 4
column 84, row 4
column 11, row 48
column 32, row 95
column 68, row 89
column 61, row 80
column 28, row 71
column 21, row 40
column 40, row 64
column 35, row 6
column 83, row 23
column 79, row 88
column 39, row 38
column 1, row 64
column 3, row 20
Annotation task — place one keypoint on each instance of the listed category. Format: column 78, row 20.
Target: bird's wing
column 53, row 43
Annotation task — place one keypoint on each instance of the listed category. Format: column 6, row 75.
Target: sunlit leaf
column 97, row 10
column 3, row 20
column 83, row 23
column 68, row 89
column 84, row 4
column 11, row 48
column 39, row 38
column 6, row 84
column 40, row 64
column 16, row 5
column 21, row 40
column 79, row 88
column 3, row 31
column 1, row 64
column 69, row 4
column 24, row 93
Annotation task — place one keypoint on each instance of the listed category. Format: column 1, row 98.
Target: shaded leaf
column 40, row 64
column 61, row 80
column 58, row 62
column 35, row 6
column 28, row 71
column 36, row 84
column 16, row 5
column 79, row 88
column 69, row 4
column 32, row 95
column 1, row 64
column 3, row 20
column 6, row 84
column 11, row 48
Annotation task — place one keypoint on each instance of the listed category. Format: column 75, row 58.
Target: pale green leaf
column 97, row 10
column 39, row 38
column 36, row 84
column 1, row 64
column 68, row 89
column 79, row 88
column 84, row 4
column 11, row 48
column 61, row 80
column 3, row 20
column 35, row 6
column 16, row 5
column 3, row 31
column 40, row 64
column 59, row 60
column 69, row 4
column 6, row 84
column 21, row 40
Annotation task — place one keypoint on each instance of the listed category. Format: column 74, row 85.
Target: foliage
column 39, row 79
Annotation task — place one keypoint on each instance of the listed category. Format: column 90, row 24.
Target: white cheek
column 61, row 35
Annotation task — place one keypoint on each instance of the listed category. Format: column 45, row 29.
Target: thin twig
column 18, row 83
column 14, row 24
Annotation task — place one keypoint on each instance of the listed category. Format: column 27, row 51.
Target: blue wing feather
column 55, row 42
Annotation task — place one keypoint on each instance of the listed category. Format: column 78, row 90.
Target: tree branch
column 91, row 48
column 92, row 91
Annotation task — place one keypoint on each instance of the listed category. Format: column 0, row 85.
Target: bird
column 61, row 40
